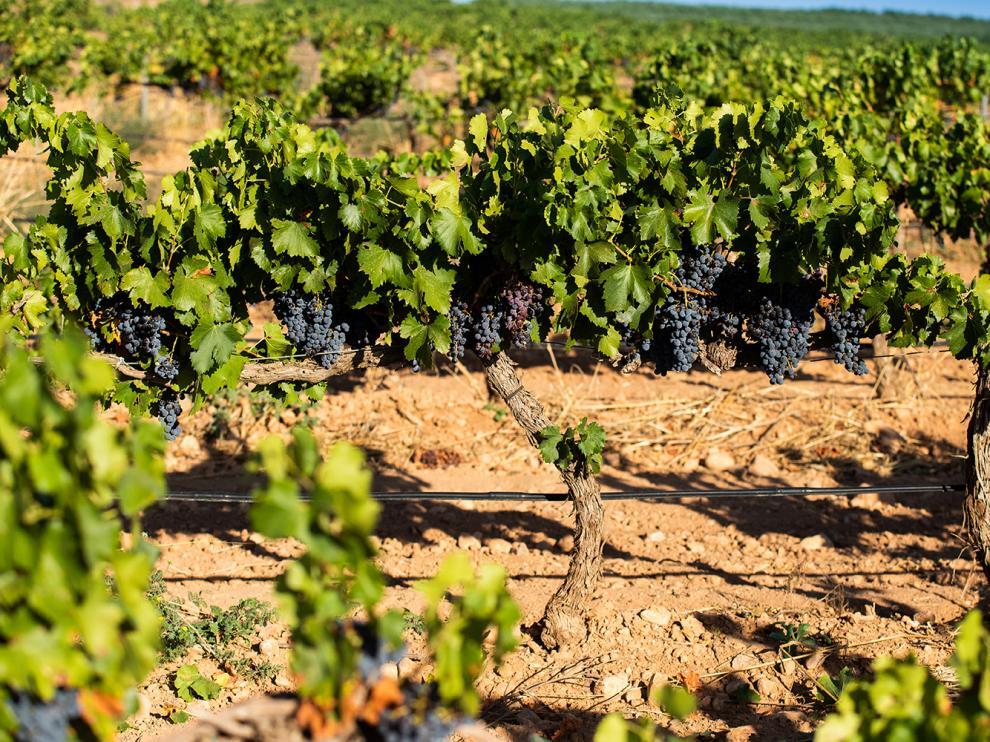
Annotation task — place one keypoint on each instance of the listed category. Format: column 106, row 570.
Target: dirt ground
column 692, row 589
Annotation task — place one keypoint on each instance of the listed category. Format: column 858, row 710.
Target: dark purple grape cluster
column 637, row 345
column 418, row 719
column 781, row 333
column 45, row 721
column 523, row 305
column 135, row 332
column 678, row 322
column 308, row 320
column 460, row 325
column 167, row 409
column 676, row 331
column 488, row 331
column 846, row 328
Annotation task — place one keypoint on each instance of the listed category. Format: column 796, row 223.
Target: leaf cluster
column 66, row 477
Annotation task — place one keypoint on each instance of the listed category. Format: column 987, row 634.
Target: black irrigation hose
column 660, row 496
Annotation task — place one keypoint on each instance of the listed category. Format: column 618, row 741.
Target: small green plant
column 830, row 689
column 673, row 700
column 190, row 683
column 226, row 634
column 329, row 598
column 903, row 701
column 795, row 639
column 581, row 446
column 77, row 632
column 458, row 643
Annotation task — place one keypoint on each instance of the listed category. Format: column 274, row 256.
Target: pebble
column 390, row 671
column 190, row 446
column 764, row 466
column 766, row 688
column 658, row 617
column 741, row 734
column 612, row 685
column 816, row 542
column 719, row 460
column 499, row 546
column 520, row 548
column 656, row 537
column 198, row 709
column 566, row 544
column 407, row 667
column 282, row 681
column 468, row 542
column 692, row 627
column 743, row 661
column 268, row 647
column 635, row 695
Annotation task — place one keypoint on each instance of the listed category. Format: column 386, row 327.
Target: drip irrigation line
column 658, row 496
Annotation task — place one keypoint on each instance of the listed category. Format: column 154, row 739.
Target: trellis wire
column 658, row 496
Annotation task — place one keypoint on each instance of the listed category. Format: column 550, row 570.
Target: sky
column 973, row 8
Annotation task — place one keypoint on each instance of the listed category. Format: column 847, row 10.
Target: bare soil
column 869, row 574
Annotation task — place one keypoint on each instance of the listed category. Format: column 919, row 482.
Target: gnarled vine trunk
column 976, row 508
column 884, row 365
column 564, row 618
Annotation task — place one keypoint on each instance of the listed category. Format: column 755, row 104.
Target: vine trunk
column 976, row 508
column 564, row 617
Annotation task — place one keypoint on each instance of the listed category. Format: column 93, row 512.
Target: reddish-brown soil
column 872, row 574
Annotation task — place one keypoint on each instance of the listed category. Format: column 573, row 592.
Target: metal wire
column 658, row 496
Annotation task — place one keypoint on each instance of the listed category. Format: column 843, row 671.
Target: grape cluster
column 308, row 320
column 635, row 341
column 460, row 324
column 677, row 327
column 167, row 409
column 678, row 322
column 398, row 726
column 846, row 328
column 781, row 333
column 488, row 331
column 44, row 721
column 136, row 333
column 523, row 308
column 416, row 719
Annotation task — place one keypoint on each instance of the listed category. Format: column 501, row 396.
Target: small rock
column 763, row 466
column 788, row 667
column 741, row 734
column 499, row 546
column 520, row 548
column 390, row 671
column 198, row 709
column 144, row 706
column 692, row 627
column 268, row 647
column 468, row 542
column 282, row 681
column 656, row 537
column 719, row 460
column 696, row 547
column 658, row 617
column 635, row 695
column 814, row 543
column 613, row 685
column 566, row 544
column 189, row 446
column 407, row 668
column 766, row 688
column 743, row 661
